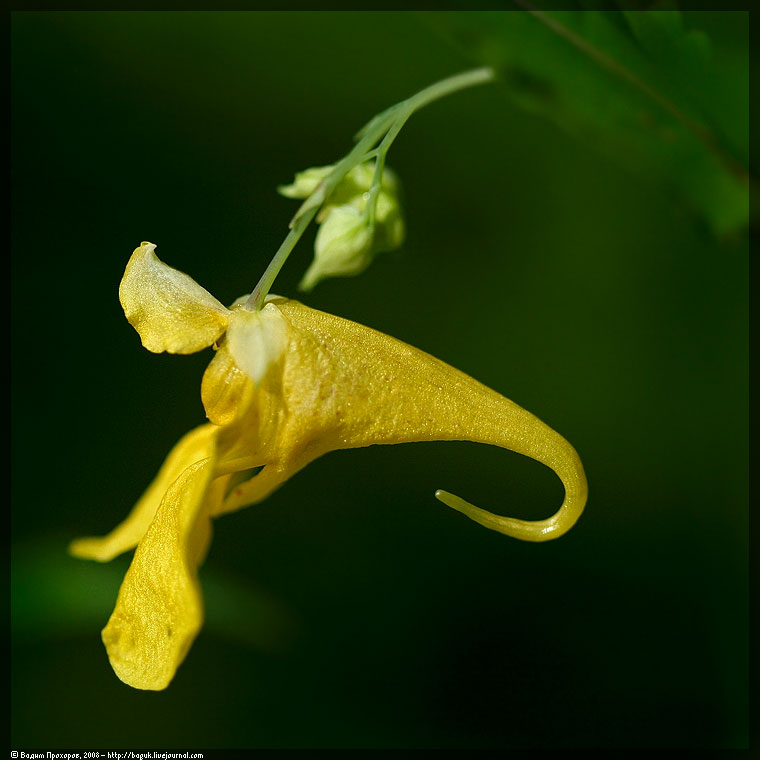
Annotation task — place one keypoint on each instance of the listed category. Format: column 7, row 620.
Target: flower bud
column 343, row 246
column 351, row 188
column 305, row 182
column 389, row 223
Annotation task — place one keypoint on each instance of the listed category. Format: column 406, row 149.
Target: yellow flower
column 286, row 385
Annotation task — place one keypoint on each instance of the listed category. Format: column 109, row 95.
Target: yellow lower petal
column 192, row 447
column 159, row 610
column 256, row 488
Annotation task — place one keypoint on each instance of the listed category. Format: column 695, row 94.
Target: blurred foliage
column 646, row 88
column 350, row 609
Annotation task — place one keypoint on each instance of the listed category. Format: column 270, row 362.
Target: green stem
column 256, row 300
column 448, row 86
column 303, row 217
column 382, row 151
column 385, row 126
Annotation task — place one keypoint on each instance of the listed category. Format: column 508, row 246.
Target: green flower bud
column 346, row 243
column 305, row 182
column 343, row 246
column 389, row 223
column 353, row 187
column 356, row 182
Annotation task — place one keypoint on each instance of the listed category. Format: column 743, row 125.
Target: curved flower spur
column 286, row 385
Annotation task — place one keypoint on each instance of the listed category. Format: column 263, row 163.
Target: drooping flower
column 286, row 385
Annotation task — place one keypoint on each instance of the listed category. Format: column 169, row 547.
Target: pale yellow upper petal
column 257, row 339
column 254, row 342
column 169, row 310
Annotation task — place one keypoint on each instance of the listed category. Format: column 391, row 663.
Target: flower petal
column 160, row 609
column 224, row 387
column 169, row 310
column 347, row 386
column 191, row 448
column 256, row 488
column 255, row 340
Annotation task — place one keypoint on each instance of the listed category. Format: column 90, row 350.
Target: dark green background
column 351, row 609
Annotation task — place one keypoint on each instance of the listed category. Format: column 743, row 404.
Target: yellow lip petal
column 347, row 386
column 169, row 310
column 191, row 448
column 159, row 610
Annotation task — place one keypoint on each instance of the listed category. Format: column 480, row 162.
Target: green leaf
column 640, row 86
